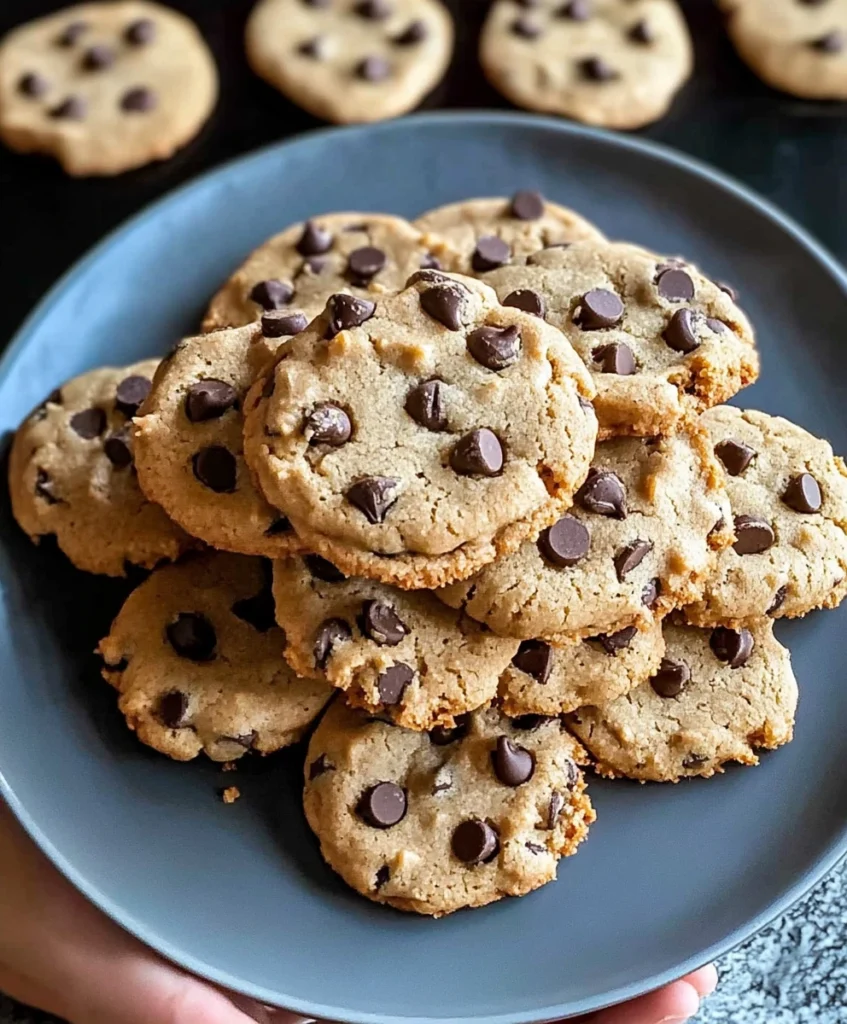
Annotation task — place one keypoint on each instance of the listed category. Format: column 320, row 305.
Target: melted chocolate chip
column 98, row 57
column 478, row 453
column 599, row 308
column 279, row 324
column 736, row 456
column 671, row 679
column 475, row 842
column 381, row 623
column 830, row 42
column 490, row 253
column 526, row 28
column 528, row 300
column 753, row 535
column 650, row 593
column 778, row 601
column 674, row 284
column 445, row 302
column 192, row 636
column 603, row 492
column 373, row 496
column 392, row 683
column 575, row 10
column 680, row 334
column 330, row 633
column 140, row 32
column 327, row 424
column 495, row 348
column 383, row 805
column 215, row 467
column 323, row 570
column 130, row 394
column 313, row 47
column 209, row 399
column 373, row 69
column 415, row 32
column 596, row 69
column 72, row 33
column 373, row 10
column 642, row 33
column 630, row 557
column 33, row 85
column 74, row 108
column 118, row 448
column 138, row 100
column 803, row 494
column 173, row 709
column 347, row 312
column 733, row 647
column 536, row 659
column 614, row 642
column 554, row 809
column 443, row 735
column 616, row 358
column 565, row 543
column 513, row 765
column 89, row 423
column 425, row 404
column 527, row 205
column 314, row 240
column 382, row 876
column 272, row 294
column 44, row 488
column 365, row 263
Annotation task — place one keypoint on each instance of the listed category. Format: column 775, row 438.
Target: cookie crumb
column 231, row 794
column 229, row 766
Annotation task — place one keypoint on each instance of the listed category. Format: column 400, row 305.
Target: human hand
column 61, row 954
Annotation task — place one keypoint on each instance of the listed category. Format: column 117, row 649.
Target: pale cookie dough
column 660, row 339
column 546, row 679
column 189, row 444
column 71, row 474
column 799, row 46
column 478, row 235
column 717, row 696
column 351, row 60
column 298, row 269
column 105, row 87
column 433, row 823
column 197, row 660
column 788, row 495
column 614, row 63
column 394, row 652
column 414, row 438
column 640, row 538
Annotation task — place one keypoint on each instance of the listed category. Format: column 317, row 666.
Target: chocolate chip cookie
column 641, row 535
column 455, row 818
column 412, row 438
column 400, row 654
column 717, row 696
column 615, row 63
column 788, row 495
column 295, row 272
column 189, row 444
column 351, row 60
column 660, row 339
column 71, row 474
column 197, row 660
column 478, row 235
column 105, row 87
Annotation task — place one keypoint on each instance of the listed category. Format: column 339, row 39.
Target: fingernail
column 674, row 1020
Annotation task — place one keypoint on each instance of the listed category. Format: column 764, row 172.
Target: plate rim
column 823, row 865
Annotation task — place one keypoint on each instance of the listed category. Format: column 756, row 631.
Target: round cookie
column 351, row 60
column 788, row 495
column 71, row 475
column 415, row 438
column 298, row 269
column 477, row 235
column 639, row 540
column 105, row 87
column 189, row 444
column 197, row 660
column 546, row 679
column 660, row 339
column 458, row 818
column 799, row 46
column 614, row 63
column 394, row 652
column 717, row 697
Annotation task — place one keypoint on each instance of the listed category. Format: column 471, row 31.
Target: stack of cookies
column 462, row 491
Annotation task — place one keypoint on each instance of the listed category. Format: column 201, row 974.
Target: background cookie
column 615, row 63
column 717, row 697
column 457, row 819
column 189, row 445
column 197, row 660
column 105, row 87
column 351, row 60
column 71, row 474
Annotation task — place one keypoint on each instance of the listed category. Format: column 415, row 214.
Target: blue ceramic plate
column 670, row 876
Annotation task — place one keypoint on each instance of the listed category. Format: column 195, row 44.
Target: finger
column 24, row 990
column 672, row 1004
column 705, row 981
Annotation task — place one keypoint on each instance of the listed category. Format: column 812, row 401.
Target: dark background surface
column 792, row 151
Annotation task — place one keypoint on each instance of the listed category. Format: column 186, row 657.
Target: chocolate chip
column 327, row 424
column 596, row 69
column 373, row 69
column 89, row 423
column 71, row 33
column 425, row 404
column 527, row 205
column 671, row 679
column 495, row 348
column 490, row 253
column 373, row 10
column 616, row 358
column 140, row 32
column 258, row 611
column 382, row 876
column 98, row 57
column 674, row 284
column 319, row 4
column 347, row 312
column 803, row 494
column 554, row 809
column 383, row 805
column 215, row 468
column 642, row 33
column 138, row 100
column 475, row 842
column 381, row 623
column 392, row 683
column 365, row 263
column 276, row 323
column 478, row 453
column 374, row 496
column 443, row 735
column 330, row 632
column 173, row 709
column 728, row 289
column 526, row 28
column 430, row 262
column 313, row 47
column 34, row 85
column 778, row 601
column 576, row 10
column 415, row 32
column 650, row 593
column 272, row 294
column 692, row 761
column 118, row 448
column 603, row 492
column 736, row 456
column 192, row 636
column 323, row 570
column 831, row 42
column 320, row 766
column 314, row 240
column 753, row 535
column 209, row 399
column 527, row 300
column 733, row 647
column 536, row 659
column 429, row 274
column 513, row 765
column 614, row 642
column 71, row 109
column 282, row 524
column 679, row 334
column 599, row 308
column 445, row 302
column 528, row 722
column 44, row 488
column 630, row 557
column 565, row 543
column 718, row 326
